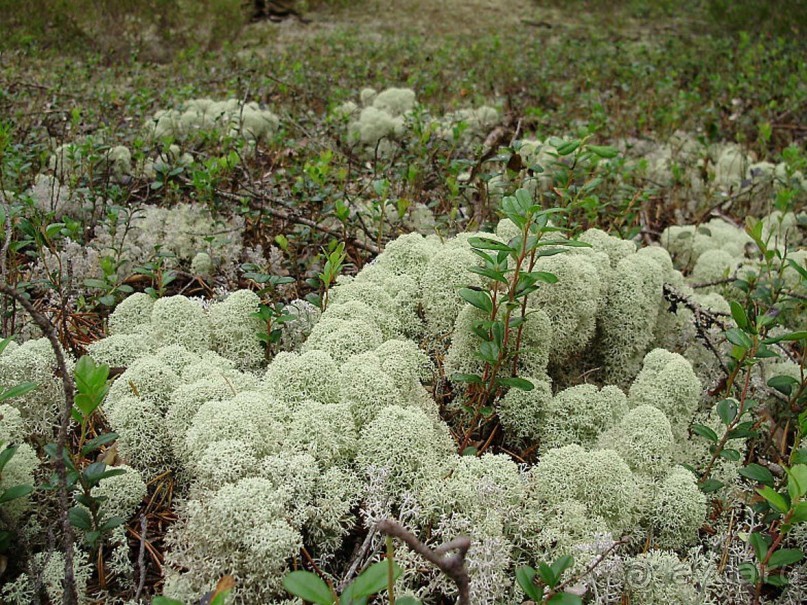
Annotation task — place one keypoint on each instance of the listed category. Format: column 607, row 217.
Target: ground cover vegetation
column 420, row 302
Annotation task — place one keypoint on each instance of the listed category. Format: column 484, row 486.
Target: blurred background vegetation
column 157, row 29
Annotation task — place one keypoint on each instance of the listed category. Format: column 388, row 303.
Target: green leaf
column 797, row 481
column 309, row 587
column 705, row 432
column 739, row 338
column 18, row 390
column 17, row 491
column 758, row 473
column 776, row 580
column 742, row 430
column 784, row 557
column 783, row 384
column 801, row 270
column 96, row 443
column 111, row 523
column 711, row 485
column 749, row 572
column 799, row 513
column 165, row 601
column 518, row 383
column 547, row 575
column 730, row 454
column 6, row 455
column 561, row 564
column 565, row 598
column 4, row 343
column 791, row 337
column 760, row 545
column 80, row 518
column 478, row 298
column 374, row 579
column 466, row 378
column 485, row 243
column 525, row 576
column 543, row 276
column 406, row 600
column 727, row 410
column 489, row 352
column 567, row 148
column 739, row 315
column 774, row 498
column 604, row 151
column 491, row 274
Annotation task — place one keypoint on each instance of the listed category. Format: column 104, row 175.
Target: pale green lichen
column 235, row 329
column 242, row 528
column 19, row 470
column 677, row 510
column 230, row 118
column 343, row 338
column 120, row 350
column 202, row 265
column 367, row 388
column 34, row 361
column 132, row 314
column 185, row 401
column 659, row 577
column 121, row 494
column 143, row 439
column 408, row 255
column 628, row 322
column 712, row 266
column 522, row 412
column 667, row 382
column 643, row 438
column 250, row 416
column 600, row 479
column 297, row 377
column 580, row 414
column 475, row 487
column 572, row 303
column 445, row 274
column 406, row 447
column 325, row 431
column 178, row 320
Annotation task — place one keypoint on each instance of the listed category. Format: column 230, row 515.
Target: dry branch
column 451, row 565
column 70, row 595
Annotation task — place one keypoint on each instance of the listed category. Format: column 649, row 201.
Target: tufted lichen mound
column 643, row 438
column 294, row 378
column 600, row 480
column 678, row 509
column 235, row 330
column 405, row 447
column 242, row 528
column 178, row 320
column 667, row 382
column 580, row 413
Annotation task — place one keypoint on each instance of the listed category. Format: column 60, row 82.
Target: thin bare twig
column 360, row 555
column 703, row 320
column 294, row 218
column 560, row 587
column 141, row 558
column 70, row 594
column 451, row 565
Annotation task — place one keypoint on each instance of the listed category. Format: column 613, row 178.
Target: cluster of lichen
column 382, row 118
column 703, row 174
column 269, row 458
